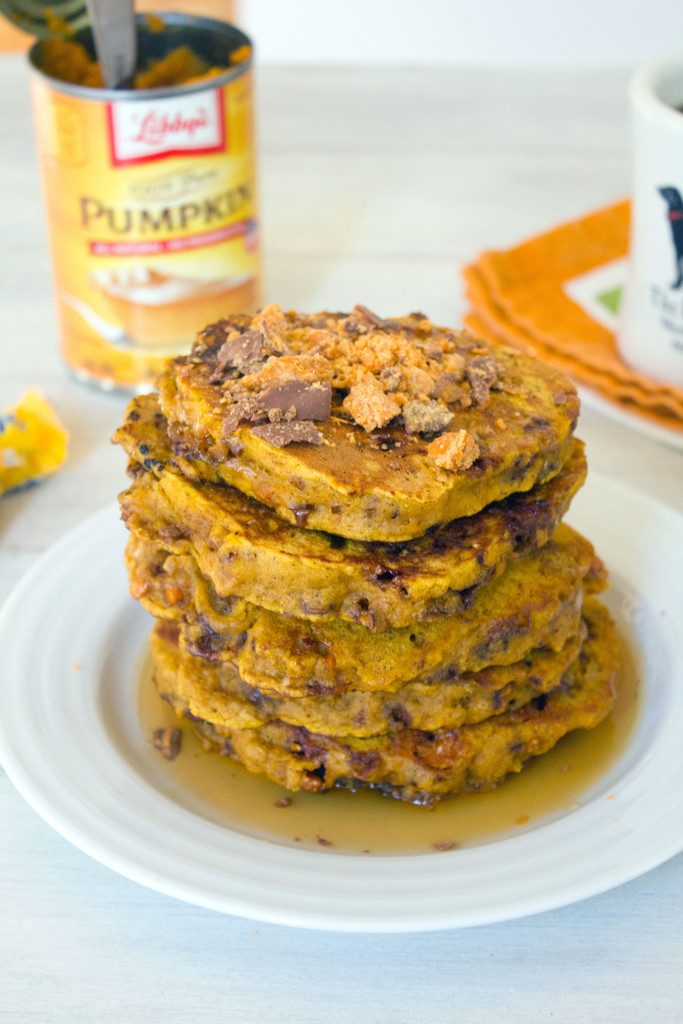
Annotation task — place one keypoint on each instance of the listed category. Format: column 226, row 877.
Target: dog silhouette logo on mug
column 674, row 202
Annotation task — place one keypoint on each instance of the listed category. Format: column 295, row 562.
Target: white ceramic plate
column 656, row 432
column 588, row 291
column 71, row 743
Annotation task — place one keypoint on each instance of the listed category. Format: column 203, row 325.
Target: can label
column 173, row 126
column 152, row 217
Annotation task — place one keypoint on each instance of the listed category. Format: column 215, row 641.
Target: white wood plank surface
column 376, row 185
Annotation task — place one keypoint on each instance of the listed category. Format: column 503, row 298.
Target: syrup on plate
column 365, row 822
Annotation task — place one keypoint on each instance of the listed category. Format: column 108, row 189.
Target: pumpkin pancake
column 245, row 549
column 539, row 594
column 363, row 427
column 412, row 764
column 217, row 694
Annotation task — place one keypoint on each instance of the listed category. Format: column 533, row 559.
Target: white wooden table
column 376, row 185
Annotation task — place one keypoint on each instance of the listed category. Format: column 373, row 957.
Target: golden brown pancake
column 246, row 550
column 366, row 467
column 539, row 595
column 217, row 694
column 411, row 764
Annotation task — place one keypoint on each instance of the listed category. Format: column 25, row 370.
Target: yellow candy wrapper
column 33, row 443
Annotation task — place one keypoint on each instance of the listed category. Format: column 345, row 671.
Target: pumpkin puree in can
column 150, row 194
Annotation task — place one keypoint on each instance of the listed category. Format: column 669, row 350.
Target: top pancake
column 366, row 428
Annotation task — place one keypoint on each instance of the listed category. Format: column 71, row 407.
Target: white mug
column 651, row 328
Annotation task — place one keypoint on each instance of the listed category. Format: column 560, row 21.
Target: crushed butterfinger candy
column 454, row 450
column 370, row 407
column 33, row 442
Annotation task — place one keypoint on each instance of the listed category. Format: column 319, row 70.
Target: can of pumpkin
column 150, row 194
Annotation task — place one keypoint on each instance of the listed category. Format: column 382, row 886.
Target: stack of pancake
column 348, row 530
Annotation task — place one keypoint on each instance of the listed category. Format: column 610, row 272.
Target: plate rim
column 621, row 415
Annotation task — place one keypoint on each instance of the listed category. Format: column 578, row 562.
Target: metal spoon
column 113, row 28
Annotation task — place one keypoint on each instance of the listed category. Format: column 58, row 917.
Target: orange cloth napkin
column 521, row 296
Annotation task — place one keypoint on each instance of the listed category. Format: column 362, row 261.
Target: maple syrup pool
column 367, row 823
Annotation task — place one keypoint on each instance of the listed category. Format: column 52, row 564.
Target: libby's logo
column 142, row 130
column 156, row 129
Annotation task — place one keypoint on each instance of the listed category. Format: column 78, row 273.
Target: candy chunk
column 168, row 742
column 33, row 443
column 295, row 432
column 305, row 401
column 426, row 417
column 243, row 354
column 272, row 323
column 417, row 381
column 482, row 373
column 456, row 450
column 280, row 369
column 370, row 407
